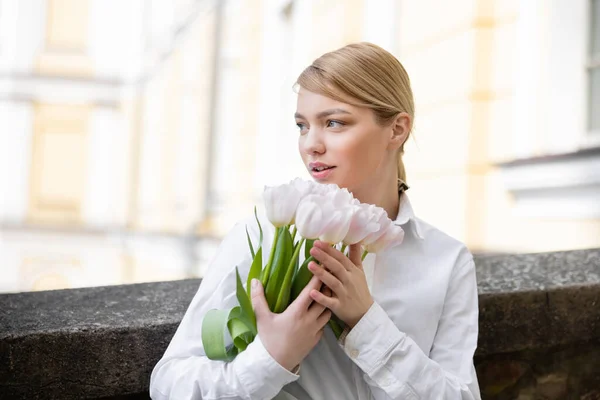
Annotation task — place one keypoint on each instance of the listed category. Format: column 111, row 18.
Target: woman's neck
column 382, row 193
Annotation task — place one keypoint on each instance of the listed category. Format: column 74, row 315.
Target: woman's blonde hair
column 364, row 75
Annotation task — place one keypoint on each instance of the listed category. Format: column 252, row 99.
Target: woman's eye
column 334, row 124
column 301, row 126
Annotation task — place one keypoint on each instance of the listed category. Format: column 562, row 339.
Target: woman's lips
column 322, row 174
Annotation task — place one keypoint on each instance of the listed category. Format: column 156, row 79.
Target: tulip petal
column 309, row 218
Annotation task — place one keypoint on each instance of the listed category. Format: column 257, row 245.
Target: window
column 59, row 163
column 594, row 69
column 557, row 171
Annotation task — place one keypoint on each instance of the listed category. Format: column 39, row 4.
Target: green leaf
column 255, row 270
column 259, row 227
column 250, row 243
column 307, row 246
column 266, row 272
column 294, row 233
column 283, row 255
column 239, row 332
column 240, row 321
column 213, row 336
column 336, row 328
column 286, row 287
column 301, row 279
column 244, row 300
column 239, row 329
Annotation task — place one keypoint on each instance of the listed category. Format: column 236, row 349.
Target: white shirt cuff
column 260, row 373
column 371, row 338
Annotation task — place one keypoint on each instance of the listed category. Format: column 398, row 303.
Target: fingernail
column 254, row 284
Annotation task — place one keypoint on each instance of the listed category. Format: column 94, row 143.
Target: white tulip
column 337, row 215
column 393, row 236
column 341, row 198
column 323, row 189
column 309, row 216
column 325, row 217
column 363, row 223
column 331, row 214
column 380, row 216
column 281, row 203
column 304, row 187
column 338, row 223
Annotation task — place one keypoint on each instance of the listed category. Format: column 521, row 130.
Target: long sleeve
column 395, row 367
column 184, row 372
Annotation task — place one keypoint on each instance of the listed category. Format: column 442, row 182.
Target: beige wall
column 118, row 132
column 58, row 163
column 116, row 172
column 66, row 41
column 462, row 64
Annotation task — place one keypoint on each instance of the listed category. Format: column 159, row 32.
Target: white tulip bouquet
column 310, row 211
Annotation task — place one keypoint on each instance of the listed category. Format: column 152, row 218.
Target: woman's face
column 343, row 144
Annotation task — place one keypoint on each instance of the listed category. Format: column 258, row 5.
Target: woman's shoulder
column 440, row 243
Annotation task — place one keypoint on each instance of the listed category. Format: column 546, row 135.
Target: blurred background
column 133, row 134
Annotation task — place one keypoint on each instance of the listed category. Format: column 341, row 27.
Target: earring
column 402, row 186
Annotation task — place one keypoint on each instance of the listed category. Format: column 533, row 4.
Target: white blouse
column 416, row 342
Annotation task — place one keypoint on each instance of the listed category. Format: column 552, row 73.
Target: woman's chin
column 332, row 177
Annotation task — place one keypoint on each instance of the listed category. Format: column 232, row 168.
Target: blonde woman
column 411, row 311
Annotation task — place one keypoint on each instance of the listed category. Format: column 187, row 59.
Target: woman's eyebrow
column 325, row 113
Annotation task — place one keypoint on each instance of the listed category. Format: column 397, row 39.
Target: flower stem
column 364, row 254
column 343, row 248
column 267, row 270
column 285, row 290
column 294, row 233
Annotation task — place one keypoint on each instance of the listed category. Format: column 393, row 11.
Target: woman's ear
column 400, row 130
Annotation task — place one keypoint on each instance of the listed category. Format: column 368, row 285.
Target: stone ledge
column 541, row 300
column 103, row 342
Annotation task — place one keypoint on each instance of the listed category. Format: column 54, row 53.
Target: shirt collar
column 406, row 215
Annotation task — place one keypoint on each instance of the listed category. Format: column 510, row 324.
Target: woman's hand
column 350, row 299
column 291, row 335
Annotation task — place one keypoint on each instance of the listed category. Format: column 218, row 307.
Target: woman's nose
column 313, row 142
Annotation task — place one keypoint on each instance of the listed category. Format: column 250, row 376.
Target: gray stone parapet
column 539, row 332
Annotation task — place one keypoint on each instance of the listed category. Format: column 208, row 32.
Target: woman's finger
column 303, row 301
column 320, row 298
column 324, row 318
column 355, row 255
column 331, row 263
column 316, row 309
column 335, row 254
column 326, row 277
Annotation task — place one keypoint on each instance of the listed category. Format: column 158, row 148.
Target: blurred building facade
column 134, row 134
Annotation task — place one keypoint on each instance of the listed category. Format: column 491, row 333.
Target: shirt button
column 353, row 353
